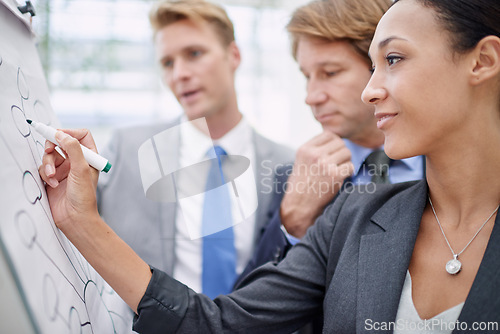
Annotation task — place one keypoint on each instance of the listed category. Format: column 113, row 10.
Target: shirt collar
column 196, row 144
column 237, row 139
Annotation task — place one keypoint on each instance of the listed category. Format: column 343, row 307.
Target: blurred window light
column 99, row 61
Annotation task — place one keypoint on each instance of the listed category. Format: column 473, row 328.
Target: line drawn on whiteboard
column 41, row 112
column 31, row 189
column 28, row 234
column 33, row 195
column 22, row 87
column 88, row 287
column 26, row 228
column 75, row 323
column 50, row 297
column 19, row 119
column 52, row 308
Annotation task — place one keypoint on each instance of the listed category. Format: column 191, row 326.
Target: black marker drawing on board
column 90, row 288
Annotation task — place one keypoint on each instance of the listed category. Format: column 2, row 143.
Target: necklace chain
column 455, row 255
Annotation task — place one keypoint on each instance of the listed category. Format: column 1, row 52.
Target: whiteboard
column 46, row 286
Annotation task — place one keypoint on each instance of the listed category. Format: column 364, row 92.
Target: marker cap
column 107, row 168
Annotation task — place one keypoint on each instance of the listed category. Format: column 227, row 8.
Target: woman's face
column 419, row 87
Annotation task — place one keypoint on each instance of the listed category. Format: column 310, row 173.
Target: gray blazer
column 352, row 263
column 148, row 226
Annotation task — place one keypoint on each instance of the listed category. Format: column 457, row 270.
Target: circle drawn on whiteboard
column 31, row 189
column 190, row 181
column 92, row 297
column 75, row 323
column 22, row 86
column 50, row 297
column 20, row 121
column 26, row 228
column 40, row 149
column 41, row 112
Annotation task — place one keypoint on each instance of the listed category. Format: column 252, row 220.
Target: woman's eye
column 391, row 60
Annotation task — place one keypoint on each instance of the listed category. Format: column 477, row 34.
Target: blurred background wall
column 99, row 61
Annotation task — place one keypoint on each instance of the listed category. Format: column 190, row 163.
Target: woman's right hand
column 71, row 182
column 71, row 188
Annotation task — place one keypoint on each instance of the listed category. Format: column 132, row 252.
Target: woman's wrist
column 111, row 257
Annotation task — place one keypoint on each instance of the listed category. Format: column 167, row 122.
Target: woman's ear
column 486, row 58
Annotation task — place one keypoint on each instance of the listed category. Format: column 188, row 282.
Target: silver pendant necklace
column 454, row 266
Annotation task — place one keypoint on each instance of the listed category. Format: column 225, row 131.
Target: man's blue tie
column 219, row 253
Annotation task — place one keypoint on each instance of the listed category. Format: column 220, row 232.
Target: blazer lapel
column 168, row 211
column 483, row 302
column 262, row 153
column 384, row 255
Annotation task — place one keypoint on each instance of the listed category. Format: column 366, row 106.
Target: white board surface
column 46, row 286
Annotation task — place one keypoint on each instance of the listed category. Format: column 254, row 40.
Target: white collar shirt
column 194, row 146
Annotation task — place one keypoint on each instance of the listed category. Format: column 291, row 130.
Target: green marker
column 93, row 159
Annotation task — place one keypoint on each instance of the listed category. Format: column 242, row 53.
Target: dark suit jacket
column 352, row 262
column 274, row 245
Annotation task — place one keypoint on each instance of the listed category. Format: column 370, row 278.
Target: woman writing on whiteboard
column 403, row 255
